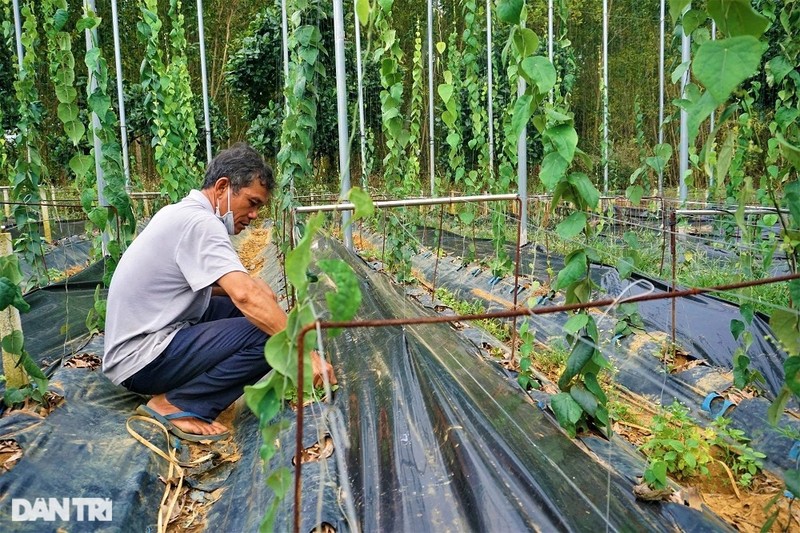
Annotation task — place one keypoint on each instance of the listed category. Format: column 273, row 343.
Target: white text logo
column 65, row 509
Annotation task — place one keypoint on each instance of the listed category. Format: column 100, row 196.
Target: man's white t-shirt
column 163, row 283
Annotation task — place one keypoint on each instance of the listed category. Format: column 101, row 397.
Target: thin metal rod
column 298, row 455
column 605, row 96
column 747, row 211
column 18, row 32
column 686, row 56
column 360, row 79
column 661, row 95
column 673, row 252
column 516, row 281
column 550, row 38
column 431, row 154
column 383, row 244
column 204, row 78
column 436, row 251
column 408, row 203
column 341, row 108
column 712, row 119
column 527, row 311
column 489, row 88
column 285, row 42
column 663, row 238
column 123, row 126
column 522, row 163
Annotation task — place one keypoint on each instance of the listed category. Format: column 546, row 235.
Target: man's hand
column 321, row 368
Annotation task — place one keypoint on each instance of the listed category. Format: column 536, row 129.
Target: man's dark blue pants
column 206, row 366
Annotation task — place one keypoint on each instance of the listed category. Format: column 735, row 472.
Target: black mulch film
column 427, row 435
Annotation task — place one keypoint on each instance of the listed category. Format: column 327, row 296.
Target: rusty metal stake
column 664, row 237
column 673, row 251
column 383, row 245
column 516, row 278
column 436, row 251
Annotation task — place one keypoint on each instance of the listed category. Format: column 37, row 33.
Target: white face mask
column 227, row 218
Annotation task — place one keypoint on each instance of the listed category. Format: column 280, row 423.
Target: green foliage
column 641, row 180
column 450, row 92
column 497, row 329
column 267, row 397
column 302, row 96
column 389, row 55
column 476, row 179
column 525, row 378
column 32, row 383
column 164, row 78
column 28, row 172
column 415, row 114
column 744, row 461
column 117, row 223
column 656, row 475
column 679, row 443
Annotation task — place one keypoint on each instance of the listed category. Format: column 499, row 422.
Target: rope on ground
column 175, row 468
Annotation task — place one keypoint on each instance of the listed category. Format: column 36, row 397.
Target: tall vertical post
column 686, row 55
column 522, row 167
column 360, row 79
column 661, row 94
column 431, row 154
column 285, row 41
column 123, row 127
column 489, row 82
column 341, row 108
column 673, row 226
column 204, row 78
column 91, row 39
column 18, row 32
column 550, row 39
column 605, row 96
column 285, row 50
column 711, row 124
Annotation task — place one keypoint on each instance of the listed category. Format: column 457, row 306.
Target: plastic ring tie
column 706, row 406
column 794, row 451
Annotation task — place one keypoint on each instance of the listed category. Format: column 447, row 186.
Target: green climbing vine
column 24, row 379
column 389, row 55
column 640, row 181
column 450, row 93
column 477, row 178
column 582, row 400
column 22, row 376
column 267, row 397
column 29, row 171
column 167, row 100
column 117, row 222
column 783, row 158
column 300, row 90
column 415, row 114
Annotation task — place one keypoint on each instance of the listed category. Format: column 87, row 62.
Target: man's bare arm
column 259, row 304
column 255, row 300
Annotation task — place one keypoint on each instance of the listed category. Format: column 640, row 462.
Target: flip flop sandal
column 144, row 410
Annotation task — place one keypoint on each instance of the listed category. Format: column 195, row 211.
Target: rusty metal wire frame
column 482, row 316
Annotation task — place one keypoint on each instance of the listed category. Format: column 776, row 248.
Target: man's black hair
column 241, row 164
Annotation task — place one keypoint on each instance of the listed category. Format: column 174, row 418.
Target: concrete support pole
column 341, row 108
column 204, row 79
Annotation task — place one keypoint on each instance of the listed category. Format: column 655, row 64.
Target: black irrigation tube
column 483, row 316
